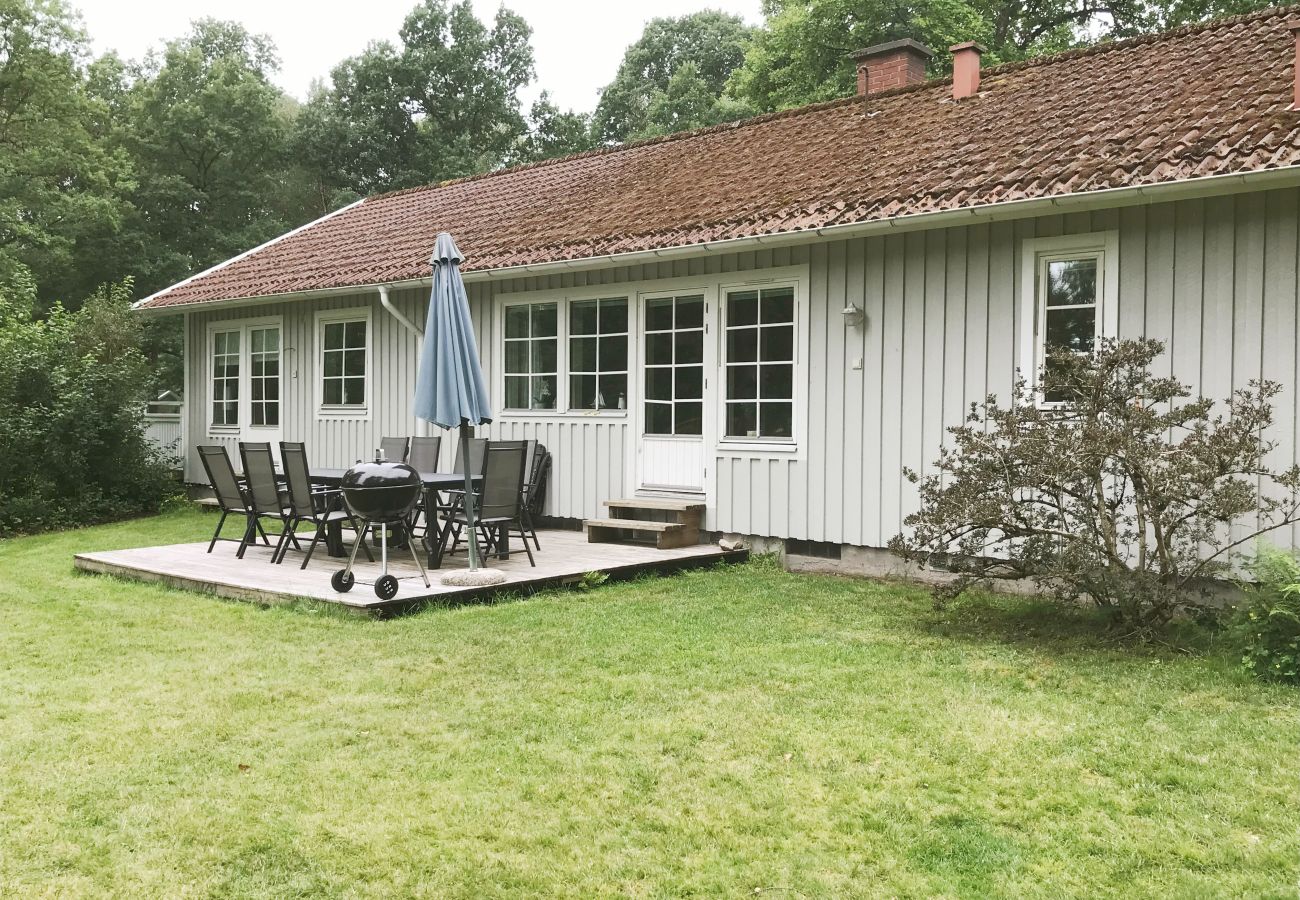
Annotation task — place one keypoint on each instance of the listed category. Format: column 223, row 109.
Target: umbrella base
column 473, row 578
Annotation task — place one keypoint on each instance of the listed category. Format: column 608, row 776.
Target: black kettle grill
column 380, row 494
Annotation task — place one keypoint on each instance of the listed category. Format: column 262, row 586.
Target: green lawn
column 737, row 731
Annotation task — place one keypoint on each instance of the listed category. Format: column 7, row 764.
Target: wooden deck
column 564, row 558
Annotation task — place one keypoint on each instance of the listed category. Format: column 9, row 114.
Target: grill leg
column 383, row 551
column 419, row 563
column 361, row 539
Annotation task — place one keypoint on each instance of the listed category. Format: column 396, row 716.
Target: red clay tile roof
column 1203, row 100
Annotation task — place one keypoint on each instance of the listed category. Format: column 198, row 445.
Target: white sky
column 577, row 45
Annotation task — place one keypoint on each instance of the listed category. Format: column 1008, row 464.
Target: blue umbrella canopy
column 450, row 389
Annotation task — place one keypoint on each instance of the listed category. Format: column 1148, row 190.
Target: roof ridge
column 610, row 150
column 1140, row 40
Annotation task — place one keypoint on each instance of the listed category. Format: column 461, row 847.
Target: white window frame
column 562, row 300
column 798, row 375
column 331, row 317
column 629, row 306
column 1035, row 254
column 210, row 374
column 561, row 356
column 245, row 423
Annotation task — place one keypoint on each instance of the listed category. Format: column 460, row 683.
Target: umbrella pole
column 469, row 497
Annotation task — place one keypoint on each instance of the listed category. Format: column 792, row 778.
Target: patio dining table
column 436, row 534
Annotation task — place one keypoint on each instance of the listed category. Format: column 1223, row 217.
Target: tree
column 1130, row 494
column 442, row 105
column 553, row 133
column 672, row 77
column 58, row 183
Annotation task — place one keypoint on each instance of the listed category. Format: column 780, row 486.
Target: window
column 674, row 365
column 1070, row 293
column 760, row 363
column 531, row 356
column 264, row 373
column 225, row 377
column 598, row 354
column 343, row 362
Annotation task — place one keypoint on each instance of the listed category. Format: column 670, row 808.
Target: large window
column 343, row 362
column 674, row 365
column 1068, row 304
column 598, row 354
column 264, row 374
column 225, row 377
column 532, row 356
column 760, row 362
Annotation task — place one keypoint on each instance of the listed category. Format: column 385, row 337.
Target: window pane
column 690, row 418
column 334, row 336
column 273, row 414
column 742, row 419
column 742, row 308
column 355, row 335
column 774, row 420
column 255, row 340
column 354, row 362
column 778, row 306
column 659, row 315
column 516, row 321
column 255, row 390
column 658, row 418
column 742, row 382
column 271, row 340
column 613, row 354
column 582, row 354
column 258, row 416
column 613, row 392
column 333, row 363
column 543, row 391
column 777, row 344
column 333, row 391
column 690, row 312
column 354, row 391
column 1072, row 281
column 517, row 356
column 776, row 383
column 690, row 347
column 582, row 391
column 690, row 383
column 544, row 320
column 271, row 388
column 544, row 355
column 613, row 316
column 658, row 349
column 516, row 393
column 1073, row 329
column 582, row 317
column 659, row 384
column 742, row 345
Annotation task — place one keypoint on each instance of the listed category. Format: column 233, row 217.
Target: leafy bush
column 72, row 444
column 1268, row 622
column 1130, row 493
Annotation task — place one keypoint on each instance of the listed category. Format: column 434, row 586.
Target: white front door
column 246, row 388
column 672, row 453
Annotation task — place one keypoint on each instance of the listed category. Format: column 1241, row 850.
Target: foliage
column 553, row 133
column 442, row 104
column 1267, row 624
column 72, row 386
column 672, row 77
column 1130, row 494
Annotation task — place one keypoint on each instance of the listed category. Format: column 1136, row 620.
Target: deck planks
column 564, row 558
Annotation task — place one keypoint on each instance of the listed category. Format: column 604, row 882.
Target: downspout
column 410, row 326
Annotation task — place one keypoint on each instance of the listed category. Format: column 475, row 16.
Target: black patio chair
column 537, row 466
column 231, row 498
column 394, row 448
column 320, row 506
column 423, row 457
column 499, row 503
column 262, row 487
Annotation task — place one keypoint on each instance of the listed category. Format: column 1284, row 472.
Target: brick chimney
column 1294, row 27
column 891, row 65
column 966, row 69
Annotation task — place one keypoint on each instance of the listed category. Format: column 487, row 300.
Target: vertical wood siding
column 1215, row 278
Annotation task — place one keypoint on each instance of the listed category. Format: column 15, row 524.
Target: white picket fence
column 162, row 423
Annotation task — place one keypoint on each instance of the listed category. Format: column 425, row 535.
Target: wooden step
column 668, row 535
column 655, row 503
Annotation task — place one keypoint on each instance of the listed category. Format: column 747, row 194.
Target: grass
column 726, row 732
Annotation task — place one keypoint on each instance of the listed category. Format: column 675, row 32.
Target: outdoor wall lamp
column 854, row 317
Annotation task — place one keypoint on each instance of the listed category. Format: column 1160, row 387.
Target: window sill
column 563, row 414
column 343, row 412
column 223, row 429
column 757, row 446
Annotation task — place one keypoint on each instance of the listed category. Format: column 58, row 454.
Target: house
column 775, row 316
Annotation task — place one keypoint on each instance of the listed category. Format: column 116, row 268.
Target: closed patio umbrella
column 450, row 391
